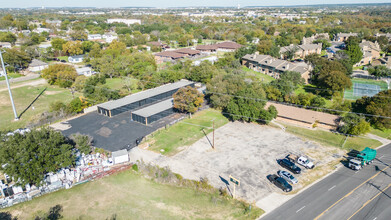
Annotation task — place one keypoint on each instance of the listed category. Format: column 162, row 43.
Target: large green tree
column 188, row 99
column 28, row 158
column 354, row 124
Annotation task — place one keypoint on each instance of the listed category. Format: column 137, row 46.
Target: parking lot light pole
column 9, row 88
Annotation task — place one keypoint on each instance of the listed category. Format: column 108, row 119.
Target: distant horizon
column 166, row 4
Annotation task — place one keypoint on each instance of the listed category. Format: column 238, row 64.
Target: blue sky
column 169, row 3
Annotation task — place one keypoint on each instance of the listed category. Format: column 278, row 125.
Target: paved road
column 345, row 194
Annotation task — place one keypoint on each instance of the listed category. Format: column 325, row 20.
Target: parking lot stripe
column 369, row 201
column 320, row 215
column 332, row 188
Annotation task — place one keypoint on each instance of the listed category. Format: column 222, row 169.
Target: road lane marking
column 375, row 218
column 300, row 209
column 331, row 188
column 369, row 201
column 320, row 215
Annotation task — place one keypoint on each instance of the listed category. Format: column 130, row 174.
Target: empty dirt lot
column 249, row 153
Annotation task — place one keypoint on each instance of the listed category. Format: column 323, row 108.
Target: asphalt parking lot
column 246, row 151
column 111, row 134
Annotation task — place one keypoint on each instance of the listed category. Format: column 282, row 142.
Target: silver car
column 287, row 176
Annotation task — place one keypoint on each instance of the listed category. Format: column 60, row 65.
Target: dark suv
column 280, row 182
column 289, row 165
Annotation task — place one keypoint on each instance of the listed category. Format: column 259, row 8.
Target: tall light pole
column 9, row 88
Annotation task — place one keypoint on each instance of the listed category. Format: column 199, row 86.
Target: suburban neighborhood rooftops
column 229, row 45
column 36, row 62
column 144, row 94
column 207, row 47
column 154, row 109
column 278, row 64
column 76, row 57
column 119, row 153
column 156, row 43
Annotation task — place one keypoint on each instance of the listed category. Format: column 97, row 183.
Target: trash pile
column 88, row 167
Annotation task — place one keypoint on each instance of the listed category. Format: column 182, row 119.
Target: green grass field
column 186, row 132
column 128, row 195
column 332, row 139
column 349, row 93
column 63, row 58
column 117, row 83
column 263, row 77
column 381, row 133
column 23, row 97
column 11, row 76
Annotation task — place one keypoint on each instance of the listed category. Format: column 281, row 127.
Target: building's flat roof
column 154, row 109
column 144, row 94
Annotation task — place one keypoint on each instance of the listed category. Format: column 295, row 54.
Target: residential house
column 227, row 46
column 340, row 37
column 275, row 67
column 40, row 30
column 37, row 65
column 159, row 44
column 370, row 51
column 44, row 45
column 174, row 55
column 54, row 22
column 301, row 50
column 86, row 71
column 5, row 45
column 386, row 61
column 310, row 40
column 94, row 37
column 109, row 37
column 387, row 35
column 76, row 59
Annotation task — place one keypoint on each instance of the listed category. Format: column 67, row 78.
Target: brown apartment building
column 301, row 50
column 275, row 67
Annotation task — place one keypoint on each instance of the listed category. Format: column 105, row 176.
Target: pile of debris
column 88, row 167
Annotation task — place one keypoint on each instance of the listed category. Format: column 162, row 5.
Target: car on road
column 280, row 182
column 287, row 176
column 289, row 165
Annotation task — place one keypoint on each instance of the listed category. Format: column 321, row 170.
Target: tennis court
column 364, row 88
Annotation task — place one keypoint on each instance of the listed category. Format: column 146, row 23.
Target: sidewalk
column 21, row 79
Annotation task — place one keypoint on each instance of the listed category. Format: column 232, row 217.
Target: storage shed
column 154, row 112
column 120, row 156
column 140, row 99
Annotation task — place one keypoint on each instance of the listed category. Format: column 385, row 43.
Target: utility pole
column 9, row 88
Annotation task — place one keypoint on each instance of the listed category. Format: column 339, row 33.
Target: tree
column 290, row 53
column 17, row 59
column 188, row 99
column 325, row 43
column 333, row 81
column 72, row 48
column 288, row 82
column 248, row 104
column 379, row 105
column 60, row 74
column 95, row 51
column 202, row 73
column 353, row 50
column 354, row 124
column 28, row 158
column 57, row 43
column 83, row 142
column 87, row 46
column 379, row 71
column 8, row 37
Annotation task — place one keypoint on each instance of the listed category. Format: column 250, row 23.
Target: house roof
column 207, row 47
column 156, row 43
column 155, row 109
column 229, row 45
column 187, row 51
column 119, row 153
column 172, row 54
column 278, row 64
column 35, row 63
column 83, row 69
column 144, row 94
column 303, row 115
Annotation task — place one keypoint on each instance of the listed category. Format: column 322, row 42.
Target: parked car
column 289, row 165
column 280, row 182
column 63, row 61
column 287, row 176
column 302, row 160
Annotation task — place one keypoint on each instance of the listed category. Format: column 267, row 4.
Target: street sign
column 234, row 180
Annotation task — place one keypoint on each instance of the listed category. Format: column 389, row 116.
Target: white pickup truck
column 302, row 160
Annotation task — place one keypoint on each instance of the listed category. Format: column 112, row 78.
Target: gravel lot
column 246, row 151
